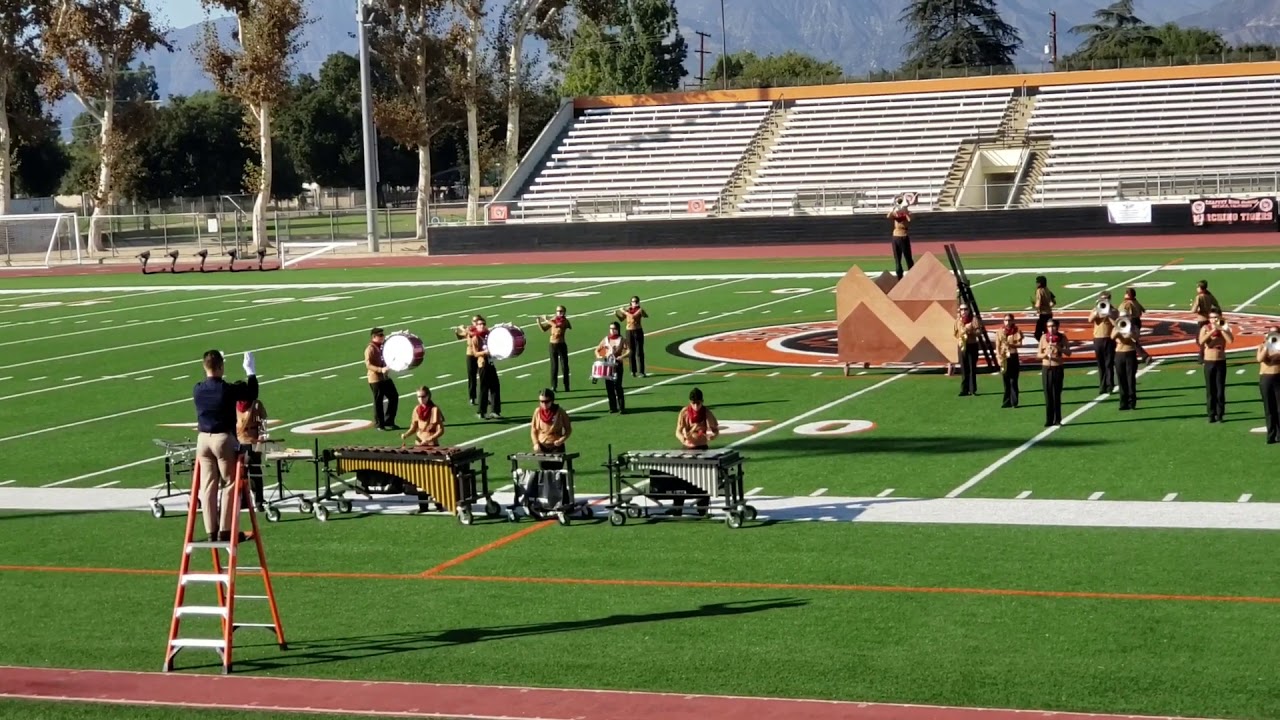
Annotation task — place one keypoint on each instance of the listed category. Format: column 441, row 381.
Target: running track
column 473, row 702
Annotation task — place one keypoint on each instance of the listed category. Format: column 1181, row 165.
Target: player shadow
column 1186, row 416
column 363, row 647
column 673, row 410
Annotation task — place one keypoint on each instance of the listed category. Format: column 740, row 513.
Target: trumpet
column 1273, row 342
column 1125, row 327
column 1104, row 308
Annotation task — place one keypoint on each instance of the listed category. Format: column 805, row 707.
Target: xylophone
column 705, row 476
column 544, row 487
column 445, row 476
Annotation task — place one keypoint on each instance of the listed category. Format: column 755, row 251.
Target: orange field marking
column 500, row 542
column 151, row 571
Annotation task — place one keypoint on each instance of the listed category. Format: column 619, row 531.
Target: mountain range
column 860, row 35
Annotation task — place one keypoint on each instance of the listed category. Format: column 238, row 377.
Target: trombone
column 1272, row 342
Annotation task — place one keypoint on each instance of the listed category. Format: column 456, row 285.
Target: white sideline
column 132, row 308
column 634, row 278
column 58, row 307
column 318, row 418
column 263, row 382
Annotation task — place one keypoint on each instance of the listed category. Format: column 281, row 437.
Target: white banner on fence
column 1128, row 213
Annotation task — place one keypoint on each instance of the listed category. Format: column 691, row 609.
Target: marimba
column 453, row 478
column 703, row 476
column 544, row 487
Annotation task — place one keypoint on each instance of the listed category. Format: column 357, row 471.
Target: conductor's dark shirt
column 216, row 403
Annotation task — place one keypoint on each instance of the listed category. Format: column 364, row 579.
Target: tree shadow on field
column 936, row 445
column 363, row 647
column 674, row 409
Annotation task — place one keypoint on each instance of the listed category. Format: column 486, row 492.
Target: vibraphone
column 706, row 475
column 179, row 461
column 544, row 487
column 451, row 478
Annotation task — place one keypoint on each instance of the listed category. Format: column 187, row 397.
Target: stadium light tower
column 363, row 13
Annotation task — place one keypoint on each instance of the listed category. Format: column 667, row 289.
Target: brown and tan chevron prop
column 886, row 320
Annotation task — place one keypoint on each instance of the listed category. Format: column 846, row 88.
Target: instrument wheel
column 273, row 514
column 734, row 520
column 344, row 505
column 633, row 511
column 492, row 509
column 305, row 507
column 321, row 513
column 512, row 516
column 617, row 519
column 157, row 510
column 749, row 512
column 587, row 512
column 562, row 518
column 464, row 516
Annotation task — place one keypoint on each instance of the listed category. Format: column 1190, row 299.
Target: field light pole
column 370, row 133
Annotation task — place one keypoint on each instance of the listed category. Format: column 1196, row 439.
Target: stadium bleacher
column 878, row 145
column 1103, row 134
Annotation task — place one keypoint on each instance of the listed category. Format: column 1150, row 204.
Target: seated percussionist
column 428, row 421
column 696, row 427
column 549, row 428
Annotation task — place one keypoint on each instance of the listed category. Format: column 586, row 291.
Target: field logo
column 1165, row 335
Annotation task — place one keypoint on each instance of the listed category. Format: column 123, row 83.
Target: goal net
column 293, row 253
column 40, row 238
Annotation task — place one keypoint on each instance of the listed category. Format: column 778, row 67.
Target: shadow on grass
column 936, row 445
column 347, row 649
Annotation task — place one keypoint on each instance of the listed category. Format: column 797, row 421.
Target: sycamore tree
column 87, row 47
column 256, row 72
column 958, row 33
column 521, row 18
column 415, row 99
column 471, row 85
column 746, row 69
column 622, row 46
column 20, row 25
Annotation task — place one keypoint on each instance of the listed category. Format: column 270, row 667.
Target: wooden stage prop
column 883, row 320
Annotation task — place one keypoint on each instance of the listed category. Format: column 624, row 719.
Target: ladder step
column 200, row 610
column 217, row 545
column 249, row 568
column 255, row 625
column 252, row 597
column 198, row 643
column 205, row 577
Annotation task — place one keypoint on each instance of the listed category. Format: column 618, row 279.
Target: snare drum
column 403, row 351
column 604, row 370
column 506, row 341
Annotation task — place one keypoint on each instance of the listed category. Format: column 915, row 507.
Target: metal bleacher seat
column 1121, row 137
column 879, row 145
column 637, row 161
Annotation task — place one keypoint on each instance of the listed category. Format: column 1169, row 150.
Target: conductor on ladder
column 216, row 447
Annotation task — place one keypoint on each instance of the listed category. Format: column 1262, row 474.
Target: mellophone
column 450, row 478
column 702, row 476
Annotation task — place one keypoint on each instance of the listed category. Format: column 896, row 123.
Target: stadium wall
column 959, row 227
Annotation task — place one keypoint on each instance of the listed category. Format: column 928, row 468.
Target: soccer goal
column 292, row 253
column 25, row 237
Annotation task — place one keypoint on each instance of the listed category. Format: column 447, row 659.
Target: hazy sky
column 180, row 13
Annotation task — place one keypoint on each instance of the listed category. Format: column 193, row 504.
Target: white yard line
column 818, row 493
column 1093, row 294
column 46, row 293
column 820, row 409
column 1257, row 297
column 95, row 313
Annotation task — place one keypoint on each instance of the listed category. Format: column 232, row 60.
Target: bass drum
column 506, row 342
column 403, row 351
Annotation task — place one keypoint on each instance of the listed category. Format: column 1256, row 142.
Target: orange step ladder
column 223, row 578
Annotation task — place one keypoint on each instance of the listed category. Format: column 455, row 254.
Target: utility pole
column 724, row 54
column 1053, row 40
column 370, row 133
column 703, row 52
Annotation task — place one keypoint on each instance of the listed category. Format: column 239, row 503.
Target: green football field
column 913, row 546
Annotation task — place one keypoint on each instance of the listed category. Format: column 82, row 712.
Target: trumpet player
column 1043, row 302
column 901, row 218
column 1214, row 339
column 1202, row 305
column 557, row 326
column 1008, row 340
column 966, row 331
column 1126, row 337
column 1134, row 310
column 1269, row 382
column 474, row 337
column 1103, row 318
column 613, row 349
column 1052, row 353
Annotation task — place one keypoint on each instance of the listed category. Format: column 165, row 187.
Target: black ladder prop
column 965, row 291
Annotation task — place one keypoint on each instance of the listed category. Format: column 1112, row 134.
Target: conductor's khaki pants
column 216, row 454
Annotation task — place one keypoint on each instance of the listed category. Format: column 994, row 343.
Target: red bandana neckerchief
column 548, row 414
column 558, row 321
column 696, row 417
column 424, row 411
column 242, row 406
column 1010, row 330
column 1054, row 338
column 634, row 310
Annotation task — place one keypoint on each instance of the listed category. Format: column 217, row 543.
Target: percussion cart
column 444, row 479
column 179, row 460
column 713, row 479
column 544, row 486
column 279, row 495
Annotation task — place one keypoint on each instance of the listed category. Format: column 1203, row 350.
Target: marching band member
column 696, row 425
column 1104, row 348
column 474, row 339
column 966, row 330
column 215, row 403
column 1214, row 339
column 1007, row 343
column 251, row 431
column 380, row 383
column 1202, row 305
column 633, row 314
column 1269, row 385
column 490, row 386
column 1127, row 365
column 427, row 423
column 901, row 217
column 1043, row 302
column 1134, row 310
column 557, row 326
column 613, row 349
column 1053, row 349
column 550, row 428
